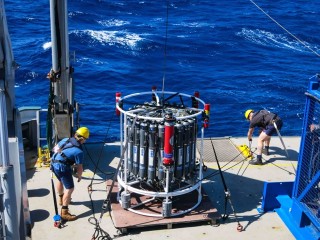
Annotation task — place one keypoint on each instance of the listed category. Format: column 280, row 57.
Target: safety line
column 292, row 35
column 165, row 50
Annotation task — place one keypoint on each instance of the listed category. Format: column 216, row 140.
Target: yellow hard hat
column 247, row 113
column 83, row 132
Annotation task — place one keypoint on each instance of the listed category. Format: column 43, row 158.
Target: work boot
column 60, row 199
column 66, row 216
column 256, row 161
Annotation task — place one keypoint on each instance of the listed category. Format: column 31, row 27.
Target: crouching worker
column 267, row 122
column 68, row 153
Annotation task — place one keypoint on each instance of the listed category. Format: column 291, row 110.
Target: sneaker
column 256, row 162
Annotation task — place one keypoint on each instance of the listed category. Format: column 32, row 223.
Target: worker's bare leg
column 59, row 188
column 65, row 214
column 263, row 139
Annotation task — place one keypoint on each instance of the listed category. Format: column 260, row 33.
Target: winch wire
column 226, row 191
column 165, row 51
column 292, row 35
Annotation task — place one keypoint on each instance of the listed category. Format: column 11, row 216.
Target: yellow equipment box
column 245, row 151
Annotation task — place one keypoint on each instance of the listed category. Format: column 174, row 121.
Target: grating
column 226, row 151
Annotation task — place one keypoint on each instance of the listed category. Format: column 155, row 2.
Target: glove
column 74, row 171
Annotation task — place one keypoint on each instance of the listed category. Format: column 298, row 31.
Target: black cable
column 267, row 161
column 99, row 233
column 165, row 50
column 99, row 158
column 97, row 167
column 106, row 202
column 226, row 191
column 216, row 173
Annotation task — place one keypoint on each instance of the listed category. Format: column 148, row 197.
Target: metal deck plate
column 226, row 151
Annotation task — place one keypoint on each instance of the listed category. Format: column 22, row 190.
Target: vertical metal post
column 7, row 188
column 60, row 51
column 124, row 131
column 9, row 202
column 38, row 128
column 4, row 155
column 167, row 203
column 121, row 139
column 2, row 220
column 201, row 159
column 61, row 74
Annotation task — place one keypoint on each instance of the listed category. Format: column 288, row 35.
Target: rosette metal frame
column 157, row 167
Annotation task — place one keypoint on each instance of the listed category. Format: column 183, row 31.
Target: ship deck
column 244, row 181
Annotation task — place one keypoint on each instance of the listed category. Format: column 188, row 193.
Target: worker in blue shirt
column 68, row 153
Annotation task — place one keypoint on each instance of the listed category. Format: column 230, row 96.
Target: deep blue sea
column 229, row 51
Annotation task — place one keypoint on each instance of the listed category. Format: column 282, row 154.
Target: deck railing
column 306, row 193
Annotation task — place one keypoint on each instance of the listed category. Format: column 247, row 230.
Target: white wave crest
column 47, row 45
column 113, row 23
column 265, row 38
column 194, row 24
column 112, row 37
column 71, row 14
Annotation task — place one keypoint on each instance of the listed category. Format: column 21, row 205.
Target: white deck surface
column 244, row 181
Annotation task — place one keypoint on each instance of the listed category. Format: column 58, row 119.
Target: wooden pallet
column 125, row 220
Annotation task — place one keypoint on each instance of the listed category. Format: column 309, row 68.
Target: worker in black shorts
column 267, row 122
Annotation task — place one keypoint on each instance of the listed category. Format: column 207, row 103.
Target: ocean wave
column 47, row 45
column 111, row 38
column 194, row 24
column 265, row 38
column 234, row 62
column 75, row 13
column 27, row 79
column 113, row 23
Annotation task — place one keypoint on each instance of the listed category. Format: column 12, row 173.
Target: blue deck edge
column 277, row 196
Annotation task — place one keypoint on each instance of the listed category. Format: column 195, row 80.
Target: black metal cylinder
column 136, row 149
column 178, row 150
column 193, row 143
column 143, row 150
column 130, row 136
column 160, row 145
column 151, row 152
column 186, row 149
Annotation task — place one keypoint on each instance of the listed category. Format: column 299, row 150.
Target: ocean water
column 229, row 51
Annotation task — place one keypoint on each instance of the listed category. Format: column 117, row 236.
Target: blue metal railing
column 298, row 202
column 306, row 190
